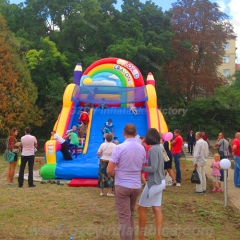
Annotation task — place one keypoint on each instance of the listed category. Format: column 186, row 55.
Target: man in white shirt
column 64, row 149
column 29, row 143
column 200, row 157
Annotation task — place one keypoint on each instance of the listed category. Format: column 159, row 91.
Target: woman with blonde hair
column 11, row 141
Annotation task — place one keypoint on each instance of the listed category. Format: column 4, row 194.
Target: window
column 226, row 72
column 227, row 46
column 226, row 59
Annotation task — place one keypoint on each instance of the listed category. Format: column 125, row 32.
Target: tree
column 17, row 92
column 236, row 79
column 218, row 113
column 201, row 30
column 49, row 70
column 85, row 31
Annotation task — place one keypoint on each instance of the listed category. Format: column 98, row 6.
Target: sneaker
column 101, row 194
column 178, row 184
column 214, row 190
column 110, row 194
column 220, row 190
column 32, row 185
column 198, row 192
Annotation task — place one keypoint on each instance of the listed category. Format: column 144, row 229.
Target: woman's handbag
column 8, row 155
column 165, row 156
column 195, row 178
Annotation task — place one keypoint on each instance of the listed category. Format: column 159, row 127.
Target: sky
column 230, row 7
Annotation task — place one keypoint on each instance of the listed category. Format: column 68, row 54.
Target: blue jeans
column 236, row 176
column 177, row 166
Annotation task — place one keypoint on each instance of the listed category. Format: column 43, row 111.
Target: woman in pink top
column 216, row 173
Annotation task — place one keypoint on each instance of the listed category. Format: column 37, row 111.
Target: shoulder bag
column 8, row 155
column 165, row 156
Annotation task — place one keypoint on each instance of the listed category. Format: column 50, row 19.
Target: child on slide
column 73, row 129
column 108, row 128
column 103, row 105
column 74, row 141
column 84, row 116
column 82, row 131
column 133, row 108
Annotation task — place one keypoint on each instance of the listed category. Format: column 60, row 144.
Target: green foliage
column 49, row 69
column 236, row 77
column 221, row 112
column 18, row 93
column 53, row 35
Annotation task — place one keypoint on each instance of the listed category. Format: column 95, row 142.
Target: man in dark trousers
column 191, row 141
column 29, row 143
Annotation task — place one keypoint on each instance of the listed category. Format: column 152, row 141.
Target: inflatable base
column 83, row 182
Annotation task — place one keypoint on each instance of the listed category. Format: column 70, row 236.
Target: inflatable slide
column 107, row 88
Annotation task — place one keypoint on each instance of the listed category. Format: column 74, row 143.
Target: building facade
column 228, row 66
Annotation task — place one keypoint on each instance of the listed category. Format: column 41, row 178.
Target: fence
column 41, row 143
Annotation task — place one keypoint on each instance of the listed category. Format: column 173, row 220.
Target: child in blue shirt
column 108, row 128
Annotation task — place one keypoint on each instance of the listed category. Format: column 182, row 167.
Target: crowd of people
column 128, row 162
column 135, row 163
column 226, row 149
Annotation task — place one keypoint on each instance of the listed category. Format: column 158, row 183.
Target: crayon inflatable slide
column 113, row 83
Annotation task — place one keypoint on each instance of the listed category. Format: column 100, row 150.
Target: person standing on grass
column 176, row 151
column 222, row 144
column 216, row 173
column 152, row 192
column 29, row 143
column 11, row 141
column 126, row 164
column 201, row 152
column 191, row 141
column 104, row 152
column 168, row 164
column 205, row 137
column 236, row 154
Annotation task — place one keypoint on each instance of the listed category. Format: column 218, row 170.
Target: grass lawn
column 50, row 211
